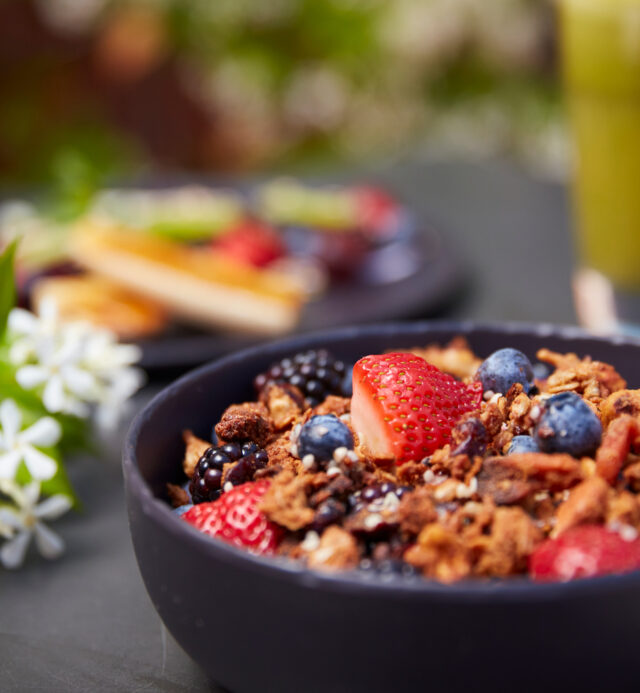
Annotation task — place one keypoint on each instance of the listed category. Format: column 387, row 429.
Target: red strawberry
column 405, row 408
column 584, row 552
column 376, row 209
column 252, row 243
column 235, row 518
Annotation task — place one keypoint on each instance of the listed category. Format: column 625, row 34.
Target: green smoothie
column 601, row 62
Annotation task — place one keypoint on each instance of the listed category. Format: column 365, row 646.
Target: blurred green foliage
column 105, row 87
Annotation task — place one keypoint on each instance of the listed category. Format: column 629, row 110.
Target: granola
column 426, row 469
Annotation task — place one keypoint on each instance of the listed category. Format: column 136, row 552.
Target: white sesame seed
column 391, row 501
column 340, row 453
column 311, row 541
column 333, row 470
column 535, row 412
column 429, row 477
column 487, row 395
column 495, row 398
column 372, row 521
column 346, row 418
column 294, row 450
column 542, row 495
column 627, row 532
column 308, row 461
column 227, row 487
column 352, row 456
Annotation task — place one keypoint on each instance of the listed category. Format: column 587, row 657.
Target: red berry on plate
column 584, row 551
column 236, row 519
column 252, row 243
column 404, row 408
column 376, row 209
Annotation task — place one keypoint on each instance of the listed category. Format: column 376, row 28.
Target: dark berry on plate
column 322, row 435
column 523, row 444
column 206, row 482
column 568, row 424
column 471, row 437
column 244, row 469
column 503, row 368
column 315, row 373
column 327, row 513
column 360, row 499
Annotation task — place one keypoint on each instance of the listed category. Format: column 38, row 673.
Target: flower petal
column 21, row 321
column 21, row 350
column 30, row 495
column 44, row 433
column 48, row 309
column 9, row 462
column 40, row 466
column 48, row 542
column 51, row 508
column 29, row 377
column 53, row 396
column 9, row 518
column 10, row 420
column 80, row 382
column 13, row 551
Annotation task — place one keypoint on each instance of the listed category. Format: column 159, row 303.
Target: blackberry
column 206, row 481
column 316, row 373
column 361, row 499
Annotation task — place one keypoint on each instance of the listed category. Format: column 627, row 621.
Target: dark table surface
column 84, row 622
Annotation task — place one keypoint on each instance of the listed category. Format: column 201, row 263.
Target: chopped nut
column 248, row 421
column 513, row 538
column 416, row 510
column 439, row 554
column 285, row 501
column 615, row 447
column 338, row 550
column 195, row 448
column 284, row 402
column 587, row 503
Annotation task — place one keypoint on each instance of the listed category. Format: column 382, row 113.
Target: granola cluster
column 470, row 508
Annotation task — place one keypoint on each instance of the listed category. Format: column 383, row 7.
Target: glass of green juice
column 600, row 48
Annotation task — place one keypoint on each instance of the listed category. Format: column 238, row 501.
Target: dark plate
column 426, row 275
column 257, row 624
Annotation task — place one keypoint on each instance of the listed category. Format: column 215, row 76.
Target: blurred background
column 90, row 89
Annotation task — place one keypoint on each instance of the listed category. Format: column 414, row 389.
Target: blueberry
column 503, row 368
column 321, row 435
column 568, row 424
column 523, row 444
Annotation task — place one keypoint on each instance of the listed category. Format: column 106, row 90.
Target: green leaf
column 7, row 284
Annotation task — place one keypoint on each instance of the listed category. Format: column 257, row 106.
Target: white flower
column 18, row 445
column 26, row 521
column 72, row 365
column 67, row 385
column 28, row 331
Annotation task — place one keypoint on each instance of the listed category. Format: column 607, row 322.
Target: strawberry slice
column 236, row 519
column 584, row 551
column 252, row 243
column 404, row 408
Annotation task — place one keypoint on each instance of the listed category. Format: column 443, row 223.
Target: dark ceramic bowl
column 258, row 624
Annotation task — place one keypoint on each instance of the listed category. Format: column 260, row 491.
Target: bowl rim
column 360, row 582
